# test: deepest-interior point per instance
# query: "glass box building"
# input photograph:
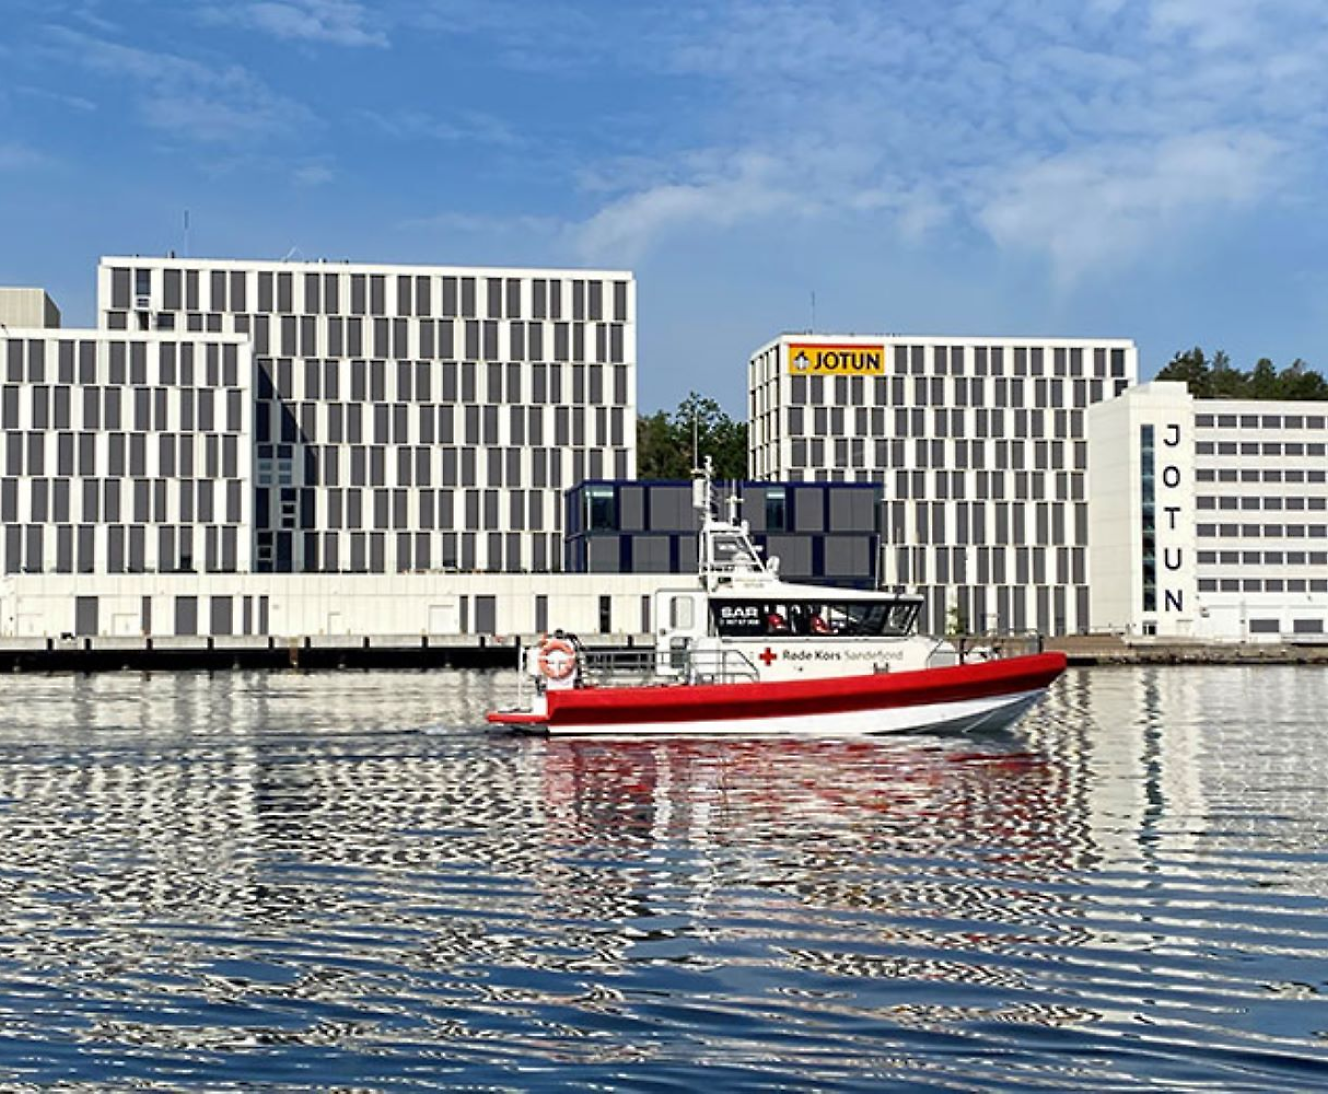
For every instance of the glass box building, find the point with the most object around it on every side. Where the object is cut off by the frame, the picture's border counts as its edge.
(820, 532)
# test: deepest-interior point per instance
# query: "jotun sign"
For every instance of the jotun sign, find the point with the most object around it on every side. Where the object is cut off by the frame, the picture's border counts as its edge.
(830, 359)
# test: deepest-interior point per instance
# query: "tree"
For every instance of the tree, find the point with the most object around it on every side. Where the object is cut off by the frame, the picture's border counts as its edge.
(1263, 381)
(1221, 380)
(669, 446)
(1298, 381)
(1227, 382)
(657, 454)
(1192, 368)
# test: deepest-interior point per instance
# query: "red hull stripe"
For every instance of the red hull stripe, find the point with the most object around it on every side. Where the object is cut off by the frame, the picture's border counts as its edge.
(795, 698)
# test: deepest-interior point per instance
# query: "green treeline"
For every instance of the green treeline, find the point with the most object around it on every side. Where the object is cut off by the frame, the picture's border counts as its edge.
(668, 445)
(1219, 379)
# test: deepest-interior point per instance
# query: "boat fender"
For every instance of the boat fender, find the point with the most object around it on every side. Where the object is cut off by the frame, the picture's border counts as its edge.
(557, 658)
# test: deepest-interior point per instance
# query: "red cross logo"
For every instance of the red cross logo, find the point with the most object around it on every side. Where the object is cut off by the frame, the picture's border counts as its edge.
(768, 656)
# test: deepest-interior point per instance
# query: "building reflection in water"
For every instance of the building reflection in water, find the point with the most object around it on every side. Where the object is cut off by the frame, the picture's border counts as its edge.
(338, 857)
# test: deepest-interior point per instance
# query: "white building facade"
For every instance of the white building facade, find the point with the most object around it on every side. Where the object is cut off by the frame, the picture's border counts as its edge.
(124, 453)
(409, 418)
(1209, 517)
(980, 446)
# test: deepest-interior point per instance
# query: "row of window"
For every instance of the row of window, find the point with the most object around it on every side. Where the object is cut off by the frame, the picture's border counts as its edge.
(1268, 501)
(356, 423)
(33, 455)
(1265, 558)
(937, 391)
(406, 552)
(1258, 448)
(1005, 609)
(1005, 455)
(1018, 361)
(151, 501)
(396, 509)
(121, 361)
(1260, 421)
(112, 408)
(332, 292)
(372, 465)
(119, 548)
(1262, 585)
(1046, 565)
(446, 382)
(1267, 531)
(1266, 474)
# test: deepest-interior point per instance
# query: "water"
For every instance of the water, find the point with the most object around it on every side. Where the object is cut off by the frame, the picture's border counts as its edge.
(342, 881)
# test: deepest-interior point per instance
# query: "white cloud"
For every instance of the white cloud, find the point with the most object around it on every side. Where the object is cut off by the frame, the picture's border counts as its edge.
(485, 224)
(72, 102)
(1089, 134)
(1094, 208)
(20, 157)
(336, 22)
(462, 127)
(312, 174)
(186, 98)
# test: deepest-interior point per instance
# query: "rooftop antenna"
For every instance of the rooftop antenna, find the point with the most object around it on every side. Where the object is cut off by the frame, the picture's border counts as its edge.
(813, 330)
(186, 233)
(292, 253)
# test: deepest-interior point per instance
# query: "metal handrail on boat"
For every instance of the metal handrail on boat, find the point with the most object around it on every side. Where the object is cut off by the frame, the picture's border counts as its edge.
(642, 667)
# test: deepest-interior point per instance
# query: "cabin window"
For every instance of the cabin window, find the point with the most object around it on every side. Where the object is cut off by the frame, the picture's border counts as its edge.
(681, 616)
(814, 618)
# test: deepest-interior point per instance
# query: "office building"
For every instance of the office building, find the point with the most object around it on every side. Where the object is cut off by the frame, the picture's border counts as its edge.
(1209, 517)
(979, 446)
(820, 532)
(124, 453)
(27, 308)
(408, 418)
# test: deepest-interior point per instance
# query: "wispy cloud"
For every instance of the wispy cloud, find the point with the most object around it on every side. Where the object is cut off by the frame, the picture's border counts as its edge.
(73, 102)
(461, 126)
(1083, 134)
(185, 98)
(20, 157)
(487, 225)
(1093, 208)
(335, 22)
(313, 174)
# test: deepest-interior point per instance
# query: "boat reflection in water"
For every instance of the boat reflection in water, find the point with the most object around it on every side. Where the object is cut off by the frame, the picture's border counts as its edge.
(945, 852)
(215, 880)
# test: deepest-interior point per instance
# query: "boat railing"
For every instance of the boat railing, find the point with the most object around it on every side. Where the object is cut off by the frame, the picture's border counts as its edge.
(642, 667)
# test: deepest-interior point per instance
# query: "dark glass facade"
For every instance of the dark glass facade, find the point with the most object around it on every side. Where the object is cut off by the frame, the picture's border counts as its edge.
(821, 532)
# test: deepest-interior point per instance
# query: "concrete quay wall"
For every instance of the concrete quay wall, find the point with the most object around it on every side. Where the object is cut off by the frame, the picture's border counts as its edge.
(1085, 650)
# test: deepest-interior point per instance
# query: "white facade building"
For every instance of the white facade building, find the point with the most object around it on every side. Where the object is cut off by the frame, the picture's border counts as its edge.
(329, 609)
(124, 453)
(980, 445)
(1233, 543)
(27, 308)
(409, 418)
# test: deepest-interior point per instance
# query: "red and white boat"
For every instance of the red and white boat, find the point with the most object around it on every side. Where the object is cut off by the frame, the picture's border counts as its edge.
(746, 653)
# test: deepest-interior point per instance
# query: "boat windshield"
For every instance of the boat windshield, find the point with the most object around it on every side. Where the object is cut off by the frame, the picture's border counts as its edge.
(733, 551)
(817, 619)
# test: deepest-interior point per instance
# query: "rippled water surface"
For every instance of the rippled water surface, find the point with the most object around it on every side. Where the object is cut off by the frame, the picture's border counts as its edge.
(342, 881)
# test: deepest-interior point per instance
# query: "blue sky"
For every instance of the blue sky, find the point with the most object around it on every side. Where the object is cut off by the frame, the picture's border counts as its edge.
(1151, 169)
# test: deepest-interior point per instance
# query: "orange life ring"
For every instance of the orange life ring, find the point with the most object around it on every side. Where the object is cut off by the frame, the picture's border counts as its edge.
(557, 658)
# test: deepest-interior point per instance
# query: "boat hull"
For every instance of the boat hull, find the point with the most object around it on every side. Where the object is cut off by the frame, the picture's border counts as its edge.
(959, 698)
